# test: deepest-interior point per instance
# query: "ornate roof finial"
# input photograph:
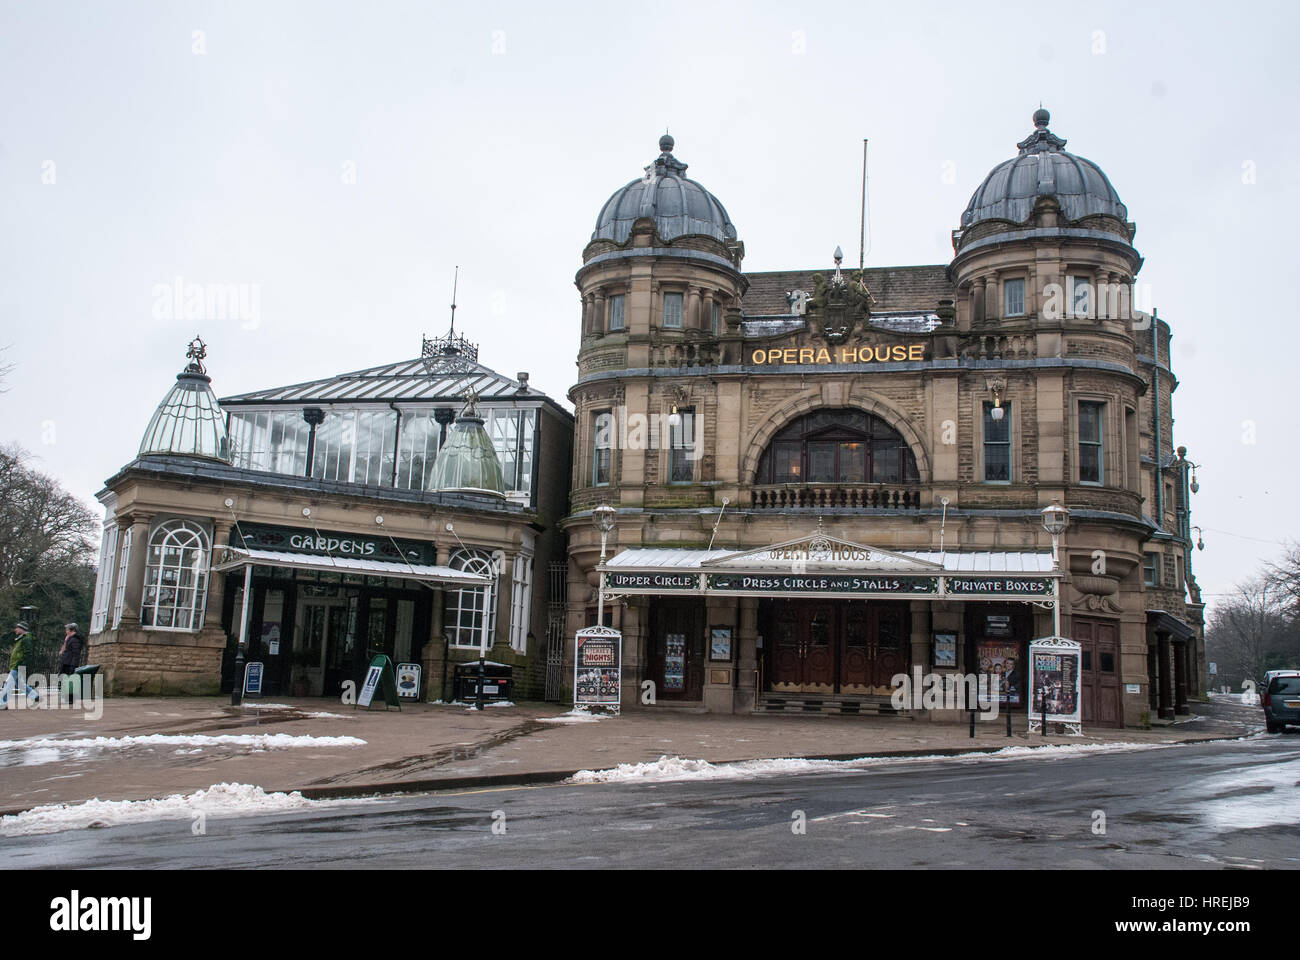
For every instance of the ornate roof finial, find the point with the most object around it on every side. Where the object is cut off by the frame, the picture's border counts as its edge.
(666, 165)
(197, 351)
(1041, 140)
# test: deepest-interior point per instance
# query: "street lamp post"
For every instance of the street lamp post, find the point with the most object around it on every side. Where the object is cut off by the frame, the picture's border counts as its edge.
(602, 518)
(1055, 519)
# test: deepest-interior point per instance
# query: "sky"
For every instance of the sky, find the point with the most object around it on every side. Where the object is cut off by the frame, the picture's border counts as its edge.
(333, 162)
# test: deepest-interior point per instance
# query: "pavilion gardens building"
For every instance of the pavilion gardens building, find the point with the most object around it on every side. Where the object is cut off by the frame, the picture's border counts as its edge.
(819, 480)
(366, 514)
(822, 480)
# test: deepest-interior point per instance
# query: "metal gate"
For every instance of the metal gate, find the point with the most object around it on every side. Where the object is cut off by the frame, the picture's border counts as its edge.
(556, 608)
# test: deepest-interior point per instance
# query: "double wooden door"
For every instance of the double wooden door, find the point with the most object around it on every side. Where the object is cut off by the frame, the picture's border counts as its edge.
(1101, 701)
(851, 647)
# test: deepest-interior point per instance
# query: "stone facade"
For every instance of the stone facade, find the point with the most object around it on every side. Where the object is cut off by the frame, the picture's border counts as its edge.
(923, 349)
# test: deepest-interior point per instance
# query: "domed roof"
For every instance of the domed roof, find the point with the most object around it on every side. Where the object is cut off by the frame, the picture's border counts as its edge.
(680, 207)
(1043, 169)
(189, 421)
(468, 462)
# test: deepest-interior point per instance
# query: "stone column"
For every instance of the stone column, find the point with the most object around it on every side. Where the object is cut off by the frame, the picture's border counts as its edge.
(1180, 678)
(747, 655)
(131, 599)
(692, 319)
(1166, 707)
(599, 322)
(216, 581)
(977, 299)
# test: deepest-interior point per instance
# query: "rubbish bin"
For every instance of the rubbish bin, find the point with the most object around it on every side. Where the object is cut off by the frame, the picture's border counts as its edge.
(497, 681)
(77, 687)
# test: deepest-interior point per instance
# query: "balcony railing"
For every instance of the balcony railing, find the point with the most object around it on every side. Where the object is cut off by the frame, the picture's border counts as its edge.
(852, 496)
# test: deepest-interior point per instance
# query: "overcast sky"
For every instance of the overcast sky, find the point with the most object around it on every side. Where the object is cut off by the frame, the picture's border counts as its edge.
(336, 160)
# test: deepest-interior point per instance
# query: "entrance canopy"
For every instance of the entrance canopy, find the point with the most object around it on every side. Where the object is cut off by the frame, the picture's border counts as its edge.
(824, 566)
(233, 558)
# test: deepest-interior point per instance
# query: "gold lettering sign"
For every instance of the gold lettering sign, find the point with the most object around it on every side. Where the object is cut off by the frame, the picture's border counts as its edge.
(885, 353)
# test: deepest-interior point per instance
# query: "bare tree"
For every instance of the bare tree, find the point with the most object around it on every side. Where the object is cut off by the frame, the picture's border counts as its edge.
(47, 542)
(1284, 575)
(1251, 632)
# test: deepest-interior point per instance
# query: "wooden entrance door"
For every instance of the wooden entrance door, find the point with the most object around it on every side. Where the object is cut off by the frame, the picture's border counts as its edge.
(1101, 703)
(875, 645)
(805, 640)
(677, 649)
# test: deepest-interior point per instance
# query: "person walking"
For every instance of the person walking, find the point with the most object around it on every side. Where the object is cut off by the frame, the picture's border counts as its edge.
(70, 656)
(18, 660)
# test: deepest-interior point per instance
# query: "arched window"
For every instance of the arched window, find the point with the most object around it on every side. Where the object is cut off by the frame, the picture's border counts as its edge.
(175, 577)
(469, 614)
(837, 446)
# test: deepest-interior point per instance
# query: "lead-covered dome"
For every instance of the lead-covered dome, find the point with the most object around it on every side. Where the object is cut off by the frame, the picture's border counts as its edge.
(1043, 169)
(679, 206)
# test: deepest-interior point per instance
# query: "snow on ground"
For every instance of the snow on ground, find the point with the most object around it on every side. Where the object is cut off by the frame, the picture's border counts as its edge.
(36, 747)
(667, 769)
(576, 715)
(219, 800)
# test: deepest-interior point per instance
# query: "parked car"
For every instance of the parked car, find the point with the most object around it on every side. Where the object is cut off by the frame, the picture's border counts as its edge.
(1281, 699)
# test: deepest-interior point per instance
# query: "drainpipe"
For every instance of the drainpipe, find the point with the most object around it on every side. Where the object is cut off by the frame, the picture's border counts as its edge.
(397, 439)
(1155, 383)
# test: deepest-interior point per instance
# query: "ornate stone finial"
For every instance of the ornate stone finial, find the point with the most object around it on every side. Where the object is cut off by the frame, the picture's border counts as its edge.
(838, 279)
(196, 353)
(1041, 140)
(666, 165)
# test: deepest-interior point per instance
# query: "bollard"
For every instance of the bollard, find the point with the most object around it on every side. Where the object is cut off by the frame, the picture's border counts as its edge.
(1008, 723)
(972, 724)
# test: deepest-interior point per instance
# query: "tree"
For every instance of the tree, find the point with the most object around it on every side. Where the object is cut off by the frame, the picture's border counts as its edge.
(1284, 575)
(1253, 632)
(48, 544)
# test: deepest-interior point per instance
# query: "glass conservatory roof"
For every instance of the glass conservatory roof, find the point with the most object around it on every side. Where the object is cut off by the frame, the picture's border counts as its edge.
(189, 421)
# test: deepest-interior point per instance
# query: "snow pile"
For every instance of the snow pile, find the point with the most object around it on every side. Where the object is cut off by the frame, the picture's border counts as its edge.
(670, 769)
(576, 715)
(219, 800)
(257, 741)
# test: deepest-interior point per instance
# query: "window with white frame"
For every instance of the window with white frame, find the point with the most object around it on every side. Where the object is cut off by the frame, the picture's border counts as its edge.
(123, 563)
(673, 311)
(617, 305)
(104, 578)
(682, 452)
(1150, 570)
(602, 446)
(275, 441)
(469, 613)
(356, 446)
(175, 577)
(521, 602)
(1014, 296)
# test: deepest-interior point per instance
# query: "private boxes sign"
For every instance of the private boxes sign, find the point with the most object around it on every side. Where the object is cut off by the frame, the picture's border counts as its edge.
(597, 667)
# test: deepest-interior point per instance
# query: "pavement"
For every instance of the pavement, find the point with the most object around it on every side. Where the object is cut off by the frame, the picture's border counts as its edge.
(57, 756)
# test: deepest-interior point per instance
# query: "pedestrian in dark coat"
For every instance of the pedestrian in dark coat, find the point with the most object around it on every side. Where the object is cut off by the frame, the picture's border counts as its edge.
(70, 652)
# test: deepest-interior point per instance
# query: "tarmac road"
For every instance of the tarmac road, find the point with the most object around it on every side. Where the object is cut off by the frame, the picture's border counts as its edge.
(1229, 804)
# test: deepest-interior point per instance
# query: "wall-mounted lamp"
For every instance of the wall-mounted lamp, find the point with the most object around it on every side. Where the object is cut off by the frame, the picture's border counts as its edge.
(996, 387)
(306, 511)
(1200, 544)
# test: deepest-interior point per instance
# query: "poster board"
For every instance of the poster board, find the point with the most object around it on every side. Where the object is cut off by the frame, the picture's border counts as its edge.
(379, 674)
(1000, 660)
(253, 671)
(598, 668)
(408, 680)
(1054, 683)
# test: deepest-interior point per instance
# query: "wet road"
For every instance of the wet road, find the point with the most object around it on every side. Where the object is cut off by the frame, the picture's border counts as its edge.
(1229, 804)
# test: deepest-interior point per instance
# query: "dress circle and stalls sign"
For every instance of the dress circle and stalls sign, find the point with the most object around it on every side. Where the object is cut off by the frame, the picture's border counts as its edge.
(597, 667)
(1054, 680)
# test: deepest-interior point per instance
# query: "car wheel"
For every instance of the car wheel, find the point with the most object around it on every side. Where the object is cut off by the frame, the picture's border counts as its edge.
(1274, 727)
